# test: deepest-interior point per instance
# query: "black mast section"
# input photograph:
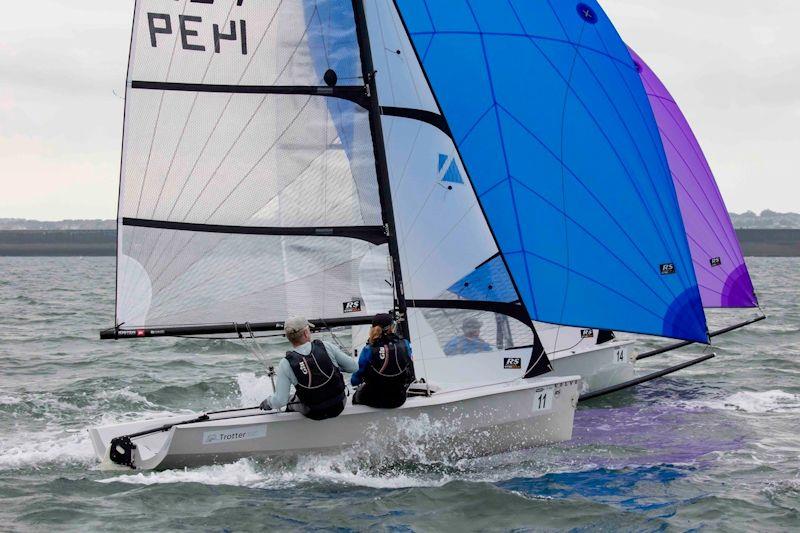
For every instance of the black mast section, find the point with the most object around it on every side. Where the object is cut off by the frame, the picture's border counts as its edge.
(382, 167)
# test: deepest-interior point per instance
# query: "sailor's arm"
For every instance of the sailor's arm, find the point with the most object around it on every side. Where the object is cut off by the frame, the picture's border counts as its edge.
(283, 381)
(363, 363)
(343, 361)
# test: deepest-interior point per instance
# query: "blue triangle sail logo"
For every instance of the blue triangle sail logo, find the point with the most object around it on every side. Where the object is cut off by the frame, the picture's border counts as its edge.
(448, 170)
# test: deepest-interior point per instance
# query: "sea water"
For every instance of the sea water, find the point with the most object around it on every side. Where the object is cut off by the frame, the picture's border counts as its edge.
(714, 447)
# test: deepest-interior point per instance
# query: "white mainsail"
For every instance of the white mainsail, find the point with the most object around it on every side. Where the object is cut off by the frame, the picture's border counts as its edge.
(248, 185)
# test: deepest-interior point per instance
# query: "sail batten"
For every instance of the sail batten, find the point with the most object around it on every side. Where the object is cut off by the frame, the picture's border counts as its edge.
(355, 93)
(248, 187)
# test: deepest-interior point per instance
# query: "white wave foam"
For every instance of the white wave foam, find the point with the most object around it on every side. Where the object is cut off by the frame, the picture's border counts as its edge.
(44, 448)
(10, 400)
(125, 394)
(337, 469)
(253, 389)
(771, 401)
(241, 473)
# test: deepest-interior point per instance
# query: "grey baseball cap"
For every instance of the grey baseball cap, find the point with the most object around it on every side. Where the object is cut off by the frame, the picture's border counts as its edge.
(295, 324)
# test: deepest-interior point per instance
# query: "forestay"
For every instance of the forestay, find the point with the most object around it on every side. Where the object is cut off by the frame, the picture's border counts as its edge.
(718, 262)
(453, 272)
(248, 185)
(557, 136)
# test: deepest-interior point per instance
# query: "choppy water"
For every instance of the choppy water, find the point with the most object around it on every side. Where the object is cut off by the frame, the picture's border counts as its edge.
(714, 447)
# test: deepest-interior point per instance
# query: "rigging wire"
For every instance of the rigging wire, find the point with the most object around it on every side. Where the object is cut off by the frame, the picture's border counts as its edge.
(257, 351)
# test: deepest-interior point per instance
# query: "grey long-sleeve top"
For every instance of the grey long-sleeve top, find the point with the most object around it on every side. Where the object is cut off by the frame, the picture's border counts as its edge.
(285, 377)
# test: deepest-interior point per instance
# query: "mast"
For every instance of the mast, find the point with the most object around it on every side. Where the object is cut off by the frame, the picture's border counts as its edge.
(382, 167)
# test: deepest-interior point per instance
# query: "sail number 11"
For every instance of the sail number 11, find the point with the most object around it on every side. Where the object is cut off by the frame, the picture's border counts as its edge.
(543, 398)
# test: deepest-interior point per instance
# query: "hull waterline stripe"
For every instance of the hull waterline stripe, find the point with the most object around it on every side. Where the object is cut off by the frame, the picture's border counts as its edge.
(373, 234)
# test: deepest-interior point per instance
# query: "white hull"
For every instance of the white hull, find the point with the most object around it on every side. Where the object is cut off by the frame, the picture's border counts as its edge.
(599, 366)
(458, 423)
(603, 366)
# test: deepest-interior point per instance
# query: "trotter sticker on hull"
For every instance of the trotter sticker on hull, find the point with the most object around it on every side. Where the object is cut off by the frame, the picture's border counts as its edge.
(234, 434)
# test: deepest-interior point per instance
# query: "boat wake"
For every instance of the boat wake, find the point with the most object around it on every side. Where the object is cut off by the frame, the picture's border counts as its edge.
(250, 473)
(252, 388)
(771, 401)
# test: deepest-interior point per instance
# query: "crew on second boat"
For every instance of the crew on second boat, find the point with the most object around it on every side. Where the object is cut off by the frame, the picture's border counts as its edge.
(385, 368)
(315, 368)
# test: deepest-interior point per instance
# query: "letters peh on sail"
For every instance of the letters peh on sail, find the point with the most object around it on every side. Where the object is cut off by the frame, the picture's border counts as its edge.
(716, 254)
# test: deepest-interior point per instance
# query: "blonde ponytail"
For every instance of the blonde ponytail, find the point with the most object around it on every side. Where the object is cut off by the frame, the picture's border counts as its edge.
(375, 333)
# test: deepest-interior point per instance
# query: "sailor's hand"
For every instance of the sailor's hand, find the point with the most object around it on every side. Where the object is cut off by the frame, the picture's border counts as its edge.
(265, 406)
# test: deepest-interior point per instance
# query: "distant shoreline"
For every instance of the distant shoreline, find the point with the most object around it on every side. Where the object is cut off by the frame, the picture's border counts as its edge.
(98, 243)
(58, 243)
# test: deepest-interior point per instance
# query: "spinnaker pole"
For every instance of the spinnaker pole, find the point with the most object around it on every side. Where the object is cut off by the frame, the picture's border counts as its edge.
(659, 351)
(645, 379)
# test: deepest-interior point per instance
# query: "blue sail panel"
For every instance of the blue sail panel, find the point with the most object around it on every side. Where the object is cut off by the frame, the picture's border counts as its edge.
(489, 282)
(557, 136)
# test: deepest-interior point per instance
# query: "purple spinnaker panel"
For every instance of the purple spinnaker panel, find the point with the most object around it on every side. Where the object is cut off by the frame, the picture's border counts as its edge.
(717, 257)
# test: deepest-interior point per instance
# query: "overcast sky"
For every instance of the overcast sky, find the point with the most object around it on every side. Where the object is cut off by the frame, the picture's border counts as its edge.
(733, 66)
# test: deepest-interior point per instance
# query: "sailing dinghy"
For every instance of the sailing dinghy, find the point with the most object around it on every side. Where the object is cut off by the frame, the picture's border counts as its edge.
(335, 159)
(446, 424)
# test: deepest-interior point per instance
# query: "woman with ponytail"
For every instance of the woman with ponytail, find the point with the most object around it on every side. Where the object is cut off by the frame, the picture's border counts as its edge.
(385, 369)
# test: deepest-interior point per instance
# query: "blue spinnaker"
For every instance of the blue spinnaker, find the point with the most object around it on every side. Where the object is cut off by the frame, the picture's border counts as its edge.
(557, 135)
(332, 44)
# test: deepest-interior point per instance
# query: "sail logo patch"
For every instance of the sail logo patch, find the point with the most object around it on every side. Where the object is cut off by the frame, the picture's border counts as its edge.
(667, 269)
(586, 13)
(448, 170)
(587, 333)
(512, 363)
(716, 261)
(352, 306)
(235, 434)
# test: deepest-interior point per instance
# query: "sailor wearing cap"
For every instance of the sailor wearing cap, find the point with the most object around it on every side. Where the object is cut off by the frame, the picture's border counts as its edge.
(470, 341)
(385, 368)
(315, 368)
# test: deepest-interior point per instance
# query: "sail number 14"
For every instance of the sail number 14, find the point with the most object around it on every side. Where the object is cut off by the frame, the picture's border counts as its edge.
(543, 398)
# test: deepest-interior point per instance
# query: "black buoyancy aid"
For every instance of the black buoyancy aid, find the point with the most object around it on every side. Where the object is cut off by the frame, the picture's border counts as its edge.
(390, 371)
(320, 385)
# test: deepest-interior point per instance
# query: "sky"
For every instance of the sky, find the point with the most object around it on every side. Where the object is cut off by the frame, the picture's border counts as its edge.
(732, 65)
